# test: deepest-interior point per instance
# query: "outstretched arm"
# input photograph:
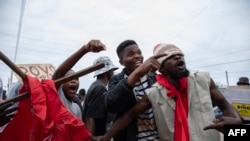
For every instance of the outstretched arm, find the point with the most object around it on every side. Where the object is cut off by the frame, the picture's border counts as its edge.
(126, 119)
(230, 114)
(91, 46)
(120, 89)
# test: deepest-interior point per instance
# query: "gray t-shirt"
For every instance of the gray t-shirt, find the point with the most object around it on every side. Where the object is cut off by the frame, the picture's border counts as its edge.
(72, 106)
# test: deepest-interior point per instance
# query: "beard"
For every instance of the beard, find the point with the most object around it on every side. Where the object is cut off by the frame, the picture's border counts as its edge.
(180, 74)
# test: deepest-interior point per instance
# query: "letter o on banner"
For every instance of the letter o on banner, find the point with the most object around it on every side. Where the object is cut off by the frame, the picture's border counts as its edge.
(41, 71)
(34, 71)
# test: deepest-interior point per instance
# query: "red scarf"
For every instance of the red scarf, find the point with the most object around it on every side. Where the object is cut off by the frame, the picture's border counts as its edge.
(181, 131)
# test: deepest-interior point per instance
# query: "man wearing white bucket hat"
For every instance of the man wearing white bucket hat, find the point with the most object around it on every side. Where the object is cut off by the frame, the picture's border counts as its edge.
(94, 113)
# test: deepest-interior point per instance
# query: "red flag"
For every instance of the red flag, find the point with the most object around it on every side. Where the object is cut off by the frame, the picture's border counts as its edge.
(67, 127)
(29, 119)
(43, 116)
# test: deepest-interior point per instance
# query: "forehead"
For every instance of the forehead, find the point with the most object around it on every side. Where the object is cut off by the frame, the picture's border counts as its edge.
(130, 48)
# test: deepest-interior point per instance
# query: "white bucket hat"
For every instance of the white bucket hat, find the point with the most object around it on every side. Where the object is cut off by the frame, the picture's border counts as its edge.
(108, 65)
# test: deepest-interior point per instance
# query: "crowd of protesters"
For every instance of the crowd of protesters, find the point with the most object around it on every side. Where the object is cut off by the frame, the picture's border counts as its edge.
(158, 99)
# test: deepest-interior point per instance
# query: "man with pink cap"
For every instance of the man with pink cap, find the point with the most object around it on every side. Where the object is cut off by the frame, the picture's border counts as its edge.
(181, 102)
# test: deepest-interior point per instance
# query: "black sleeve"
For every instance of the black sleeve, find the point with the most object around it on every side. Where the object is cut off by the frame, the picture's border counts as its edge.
(119, 95)
(96, 107)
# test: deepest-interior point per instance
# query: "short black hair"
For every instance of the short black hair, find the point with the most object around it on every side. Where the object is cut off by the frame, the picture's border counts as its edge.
(82, 92)
(123, 45)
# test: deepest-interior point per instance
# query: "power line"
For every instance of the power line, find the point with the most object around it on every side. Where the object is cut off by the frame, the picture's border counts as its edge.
(193, 18)
(24, 45)
(224, 54)
(240, 71)
(39, 43)
(35, 39)
(223, 63)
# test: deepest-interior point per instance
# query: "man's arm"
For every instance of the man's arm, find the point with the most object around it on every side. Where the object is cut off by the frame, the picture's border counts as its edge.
(230, 114)
(151, 64)
(93, 45)
(94, 101)
(122, 122)
(90, 124)
(118, 96)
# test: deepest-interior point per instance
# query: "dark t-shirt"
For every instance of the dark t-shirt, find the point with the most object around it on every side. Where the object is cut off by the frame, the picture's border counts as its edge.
(94, 107)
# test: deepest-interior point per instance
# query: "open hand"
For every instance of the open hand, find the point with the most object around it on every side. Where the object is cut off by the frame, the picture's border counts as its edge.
(219, 123)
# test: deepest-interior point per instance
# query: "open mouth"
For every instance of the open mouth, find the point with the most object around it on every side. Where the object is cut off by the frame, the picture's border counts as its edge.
(181, 65)
(72, 88)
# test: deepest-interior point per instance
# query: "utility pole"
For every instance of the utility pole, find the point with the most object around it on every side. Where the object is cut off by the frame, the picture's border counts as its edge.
(227, 78)
(18, 36)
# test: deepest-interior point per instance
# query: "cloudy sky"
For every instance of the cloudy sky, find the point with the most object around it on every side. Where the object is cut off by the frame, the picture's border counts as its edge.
(214, 34)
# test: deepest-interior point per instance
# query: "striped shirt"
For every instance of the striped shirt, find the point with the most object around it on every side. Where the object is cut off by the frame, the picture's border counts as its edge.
(147, 130)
